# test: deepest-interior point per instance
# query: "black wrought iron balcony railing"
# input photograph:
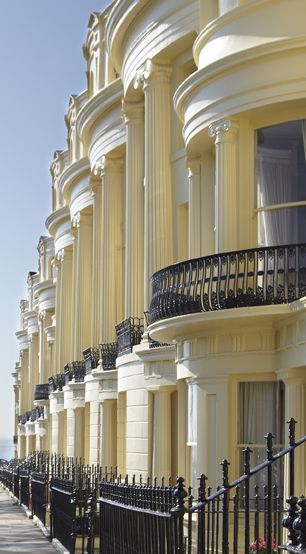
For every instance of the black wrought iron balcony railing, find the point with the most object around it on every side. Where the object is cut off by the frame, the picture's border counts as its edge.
(109, 354)
(255, 277)
(41, 392)
(91, 359)
(37, 413)
(74, 371)
(129, 333)
(23, 418)
(56, 382)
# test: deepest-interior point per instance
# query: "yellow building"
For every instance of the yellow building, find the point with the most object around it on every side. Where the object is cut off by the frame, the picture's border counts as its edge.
(189, 144)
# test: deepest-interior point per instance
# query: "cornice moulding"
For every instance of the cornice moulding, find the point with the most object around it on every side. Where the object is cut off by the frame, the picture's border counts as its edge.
(119, 18)
(227, 65)
(162, 33)
(222, 21)
(57, 218)
(96, 106)
(71, 174)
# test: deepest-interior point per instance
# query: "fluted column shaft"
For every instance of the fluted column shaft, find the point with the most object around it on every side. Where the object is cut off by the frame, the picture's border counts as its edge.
(295, 396)
(97, 269)
(82, 286)
(134, 209)
(225, 135)
(33, 367)
(109, 438)
(65, 354)
(44, 351)
(161, 463)
(194, 178)
(112, 252)
(24, 393)
(158, 250)
(58, 304)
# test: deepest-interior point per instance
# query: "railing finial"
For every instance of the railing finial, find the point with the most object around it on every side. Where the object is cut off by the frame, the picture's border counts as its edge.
(292, 423)
(225, 465)
(269, 438)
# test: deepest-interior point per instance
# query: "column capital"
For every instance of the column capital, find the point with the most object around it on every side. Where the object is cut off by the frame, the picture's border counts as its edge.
(222, 130)
(132, 111)
(152, 73)
(75, 220)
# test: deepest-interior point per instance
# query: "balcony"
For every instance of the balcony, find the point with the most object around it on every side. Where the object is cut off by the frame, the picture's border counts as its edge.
(91, 358)
(109, 354)
(74, 371)
(256, 277)
(129, 333)
(41, 392)
(56, 382)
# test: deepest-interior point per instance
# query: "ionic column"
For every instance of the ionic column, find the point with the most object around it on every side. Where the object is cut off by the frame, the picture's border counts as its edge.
(194, 179)
(82, 284)
(65, 351)
(225, 134)
(112, 253)
(58, 304)
(24, 374)
(33, 366)
(158, 249)
(44, 352)
(134, 209)
(109, 436)
(161, 452)
(97, 270)
(55, 433)
(295, 396)
(71, 431)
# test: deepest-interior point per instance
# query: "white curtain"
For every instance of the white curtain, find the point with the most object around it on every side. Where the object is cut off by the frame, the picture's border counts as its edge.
(260, 412)
(276, 184)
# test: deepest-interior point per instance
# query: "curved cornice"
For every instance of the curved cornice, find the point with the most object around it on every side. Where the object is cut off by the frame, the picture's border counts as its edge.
(202, 78)
(168, 33)
(96, 106)
(44, 285)
(57, 218)
(119, 18)
(224, 20)
(71, 174)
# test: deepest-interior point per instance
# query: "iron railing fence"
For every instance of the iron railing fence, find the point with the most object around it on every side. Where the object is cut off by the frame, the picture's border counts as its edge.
(129, 333)
(242, 516)
(245, 515)
(108, 354)
(254, 277)
(91, 359)
(25, 496)
(39, 495)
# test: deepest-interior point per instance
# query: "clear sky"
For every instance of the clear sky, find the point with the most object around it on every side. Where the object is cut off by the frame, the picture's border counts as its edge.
(41, 64)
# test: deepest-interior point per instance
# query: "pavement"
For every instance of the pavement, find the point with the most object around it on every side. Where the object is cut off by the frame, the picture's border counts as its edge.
(18, 534)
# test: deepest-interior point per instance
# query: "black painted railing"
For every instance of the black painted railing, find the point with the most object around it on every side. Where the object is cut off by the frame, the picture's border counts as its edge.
(41, 392)
(74, 371)
(129, 333)
(255, 277)
(56, 382)
(23, 418)
(109, 354)
(91, 359)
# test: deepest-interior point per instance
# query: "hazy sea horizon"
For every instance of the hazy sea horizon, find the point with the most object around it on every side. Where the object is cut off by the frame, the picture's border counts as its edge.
(6, 448)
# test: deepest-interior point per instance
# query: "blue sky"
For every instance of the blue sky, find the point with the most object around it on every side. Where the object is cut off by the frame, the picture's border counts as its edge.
(41, 64)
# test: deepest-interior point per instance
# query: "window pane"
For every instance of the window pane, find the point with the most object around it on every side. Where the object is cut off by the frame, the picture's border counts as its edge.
(281, 163)
(280, 227)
